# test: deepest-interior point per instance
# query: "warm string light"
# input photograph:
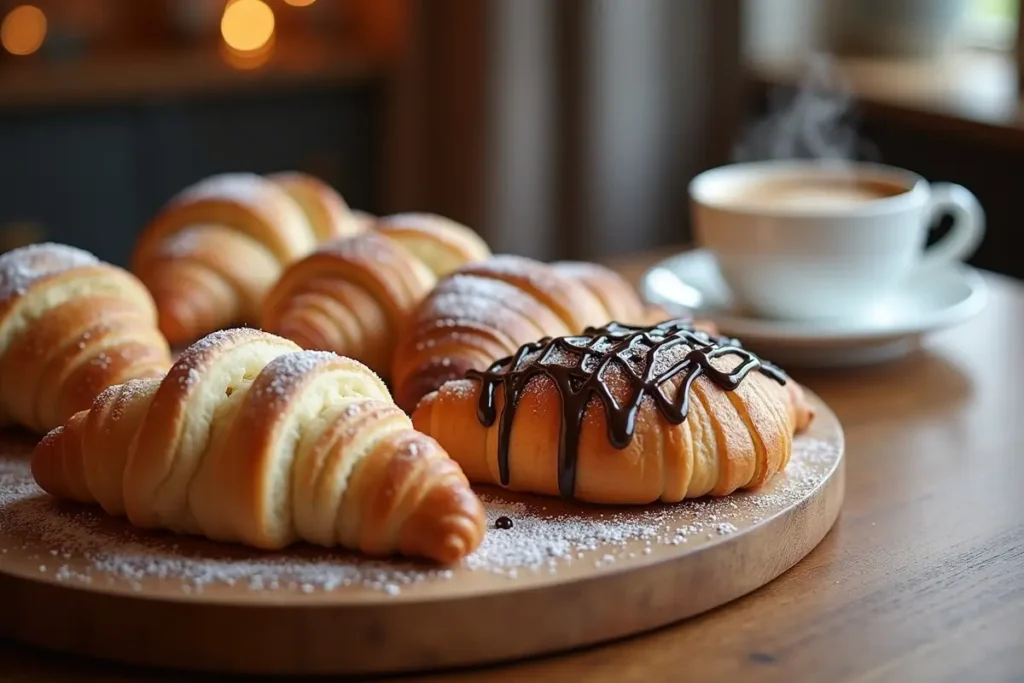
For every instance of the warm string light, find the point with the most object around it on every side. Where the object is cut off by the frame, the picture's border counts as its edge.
(247, 25)
(299, 3)
(23, 30)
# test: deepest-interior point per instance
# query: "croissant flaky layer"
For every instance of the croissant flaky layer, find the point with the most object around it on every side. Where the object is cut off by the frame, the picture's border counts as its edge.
(352, 296)
(250, 439)
(70, 326)
(211, 254)
(728, 439)
(486, 310)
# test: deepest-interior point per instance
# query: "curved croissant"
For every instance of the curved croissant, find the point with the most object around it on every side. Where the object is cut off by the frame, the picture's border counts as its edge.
(352, 296)
(70, 326)
(211, 254)
(487, 310)
(249, 439)
(554, 418)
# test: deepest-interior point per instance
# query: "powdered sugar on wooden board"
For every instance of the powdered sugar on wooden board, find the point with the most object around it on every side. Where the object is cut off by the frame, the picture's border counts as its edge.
(80, 544)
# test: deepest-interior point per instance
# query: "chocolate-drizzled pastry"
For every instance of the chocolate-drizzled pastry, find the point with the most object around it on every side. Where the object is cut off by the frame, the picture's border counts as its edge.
(621, 414)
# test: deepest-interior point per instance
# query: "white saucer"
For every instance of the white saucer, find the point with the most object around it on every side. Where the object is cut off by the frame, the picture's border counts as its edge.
(926, 303)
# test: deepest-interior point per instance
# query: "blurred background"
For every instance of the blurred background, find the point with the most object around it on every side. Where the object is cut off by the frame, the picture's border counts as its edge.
(565, 128)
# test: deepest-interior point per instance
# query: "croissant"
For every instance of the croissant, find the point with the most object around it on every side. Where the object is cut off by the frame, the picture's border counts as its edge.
(487, 310)
(620, 299)
(352, 296)
(211, 254)
(621, 415)
(70, 326)
(249, 439)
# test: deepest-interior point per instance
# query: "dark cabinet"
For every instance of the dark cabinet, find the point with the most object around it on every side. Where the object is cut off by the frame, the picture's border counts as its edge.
(92, 176)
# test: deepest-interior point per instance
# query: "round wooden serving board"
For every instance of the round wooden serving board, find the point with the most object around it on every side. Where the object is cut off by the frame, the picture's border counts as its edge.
(564, 576)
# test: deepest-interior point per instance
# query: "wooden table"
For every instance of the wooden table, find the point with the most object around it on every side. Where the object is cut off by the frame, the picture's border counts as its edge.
(922, 578)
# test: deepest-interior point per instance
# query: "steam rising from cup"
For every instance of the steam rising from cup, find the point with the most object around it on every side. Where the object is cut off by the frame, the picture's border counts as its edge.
(814, 122)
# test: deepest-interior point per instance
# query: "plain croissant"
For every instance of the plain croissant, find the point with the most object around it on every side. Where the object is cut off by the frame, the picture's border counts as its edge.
(250, 439)
(621, 415)
(211, 254)
(70, 326)
(486, 310)
(352, 296)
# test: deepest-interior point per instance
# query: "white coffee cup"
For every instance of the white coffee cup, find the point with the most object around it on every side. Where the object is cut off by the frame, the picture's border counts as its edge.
(808, 240)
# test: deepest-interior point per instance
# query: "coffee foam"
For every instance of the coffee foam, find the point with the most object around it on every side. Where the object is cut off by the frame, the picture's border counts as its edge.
(802, 193)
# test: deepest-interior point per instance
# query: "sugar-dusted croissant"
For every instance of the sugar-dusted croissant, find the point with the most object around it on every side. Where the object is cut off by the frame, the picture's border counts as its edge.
(211, 254)
(621, 415)
(70, 326)
(487, 310)
(352, 296)
(250, 439)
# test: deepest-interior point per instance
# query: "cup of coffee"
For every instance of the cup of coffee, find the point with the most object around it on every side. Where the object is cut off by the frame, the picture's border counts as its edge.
(811, 240)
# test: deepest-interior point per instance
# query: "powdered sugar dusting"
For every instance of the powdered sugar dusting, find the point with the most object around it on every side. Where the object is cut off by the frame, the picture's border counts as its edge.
(219, 338)
(285, 372)
(81, 544)
(368, 246)
(182, 244)
(185, 368)
(468, 300)
(518, 267)
(19, 268)
(242, 187)
(542, 541)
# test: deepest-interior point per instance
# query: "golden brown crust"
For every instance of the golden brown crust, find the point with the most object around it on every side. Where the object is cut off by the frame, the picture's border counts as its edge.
(570, 300)
(247, 203)
(48, 470)
(106, 440)
(618, 297)
(249, 439)
(366, 221)
(622, 302)
(216, 247)
(442, 244)
(487, 310)
(467, 322)
(206, 277)
(730, 440)
(70, 326)
(353, 296)
(325, 209)
(157, 496)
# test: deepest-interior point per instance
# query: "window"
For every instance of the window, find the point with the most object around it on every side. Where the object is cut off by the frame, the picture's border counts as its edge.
(992, 24)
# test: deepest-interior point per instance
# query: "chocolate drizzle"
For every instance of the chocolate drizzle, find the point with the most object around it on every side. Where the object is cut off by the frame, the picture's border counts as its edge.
(581, 366)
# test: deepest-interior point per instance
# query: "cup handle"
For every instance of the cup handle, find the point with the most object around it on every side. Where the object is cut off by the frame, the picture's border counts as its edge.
(968, 229)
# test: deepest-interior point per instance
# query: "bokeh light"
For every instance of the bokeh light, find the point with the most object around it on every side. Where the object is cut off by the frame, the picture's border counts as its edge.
(247, 25)
(23, 30)
(299, 3)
